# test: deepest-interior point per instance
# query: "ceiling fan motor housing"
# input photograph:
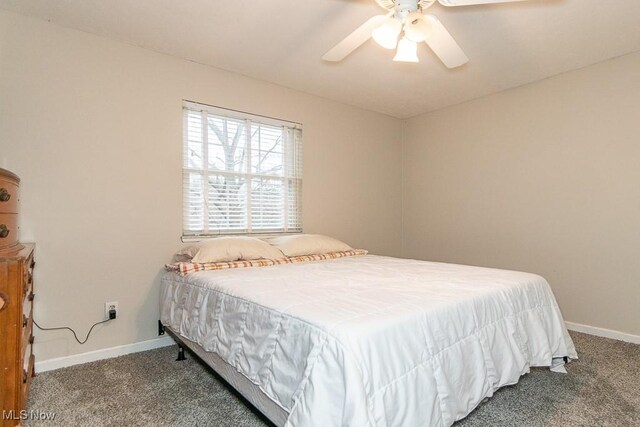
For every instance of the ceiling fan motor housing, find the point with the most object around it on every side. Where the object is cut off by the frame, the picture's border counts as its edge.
(404, 7)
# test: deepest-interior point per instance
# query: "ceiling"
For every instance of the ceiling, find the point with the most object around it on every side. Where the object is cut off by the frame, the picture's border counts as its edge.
(282, 41)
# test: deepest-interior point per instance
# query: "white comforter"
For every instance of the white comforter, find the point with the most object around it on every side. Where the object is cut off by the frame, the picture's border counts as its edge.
(370, 340)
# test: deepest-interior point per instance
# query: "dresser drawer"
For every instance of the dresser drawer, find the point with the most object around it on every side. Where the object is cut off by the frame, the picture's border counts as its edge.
(27, 283)
(8, 230)
(26, 380)
(27, 307)
(27, 350)
(27, 325)
(8, 196)
(27, 300)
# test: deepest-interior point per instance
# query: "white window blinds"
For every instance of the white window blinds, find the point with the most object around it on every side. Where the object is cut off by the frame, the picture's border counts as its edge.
(241, 173)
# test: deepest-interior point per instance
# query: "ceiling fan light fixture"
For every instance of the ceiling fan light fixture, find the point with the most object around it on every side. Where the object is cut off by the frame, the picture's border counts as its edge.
(407, 51)
(417, 27)
(387, 34)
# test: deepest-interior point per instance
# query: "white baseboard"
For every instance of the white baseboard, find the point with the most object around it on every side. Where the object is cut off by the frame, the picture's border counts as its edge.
(601, 332)
(106, 353)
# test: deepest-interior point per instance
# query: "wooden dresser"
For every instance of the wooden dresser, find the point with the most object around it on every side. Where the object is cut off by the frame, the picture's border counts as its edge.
(16, 304)
(9, 196)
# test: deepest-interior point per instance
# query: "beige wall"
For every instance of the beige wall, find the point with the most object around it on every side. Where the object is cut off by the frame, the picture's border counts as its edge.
(94, 129)
(544, 178)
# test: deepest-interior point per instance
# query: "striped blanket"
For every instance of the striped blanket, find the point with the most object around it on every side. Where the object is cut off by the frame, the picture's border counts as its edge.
(190, 267)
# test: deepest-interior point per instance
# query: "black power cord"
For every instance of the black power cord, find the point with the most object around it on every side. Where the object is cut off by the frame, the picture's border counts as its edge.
(112, 315)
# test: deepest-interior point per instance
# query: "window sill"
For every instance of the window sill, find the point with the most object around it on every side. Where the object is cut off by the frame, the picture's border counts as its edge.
(266, 235)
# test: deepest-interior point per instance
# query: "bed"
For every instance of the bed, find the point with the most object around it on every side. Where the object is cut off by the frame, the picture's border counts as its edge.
(366, 340)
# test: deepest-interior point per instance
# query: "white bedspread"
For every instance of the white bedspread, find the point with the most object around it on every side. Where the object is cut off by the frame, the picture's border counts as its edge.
(370, 340)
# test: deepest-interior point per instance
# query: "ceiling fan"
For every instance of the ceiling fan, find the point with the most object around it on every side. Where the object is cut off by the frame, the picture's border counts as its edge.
(403, 27)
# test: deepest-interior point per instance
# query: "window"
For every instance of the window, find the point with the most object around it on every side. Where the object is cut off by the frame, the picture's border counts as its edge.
(241, 173)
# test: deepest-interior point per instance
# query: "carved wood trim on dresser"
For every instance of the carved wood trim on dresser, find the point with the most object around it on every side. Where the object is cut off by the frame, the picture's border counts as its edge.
(16, 307)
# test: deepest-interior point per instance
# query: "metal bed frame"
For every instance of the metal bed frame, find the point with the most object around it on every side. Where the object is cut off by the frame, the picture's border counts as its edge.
(260, 404)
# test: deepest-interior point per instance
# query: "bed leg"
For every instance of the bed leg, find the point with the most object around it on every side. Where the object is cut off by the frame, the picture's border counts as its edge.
(566, 359)
(160, 328)
(180, 354)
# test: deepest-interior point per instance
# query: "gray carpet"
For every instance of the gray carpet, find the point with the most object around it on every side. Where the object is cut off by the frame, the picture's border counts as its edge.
(151, 389)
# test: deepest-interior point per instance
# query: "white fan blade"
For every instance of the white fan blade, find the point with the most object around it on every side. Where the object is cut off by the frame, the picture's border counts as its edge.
(472, 2)
(443, 45)
(354, 40)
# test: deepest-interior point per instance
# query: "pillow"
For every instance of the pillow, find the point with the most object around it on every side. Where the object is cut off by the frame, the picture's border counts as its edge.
(230, 249)
(308, 244)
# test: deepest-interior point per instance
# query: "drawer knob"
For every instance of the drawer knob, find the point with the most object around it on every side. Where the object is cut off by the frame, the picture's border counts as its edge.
(25, 321)
(4, 231)
(4, 195)
(31, 296)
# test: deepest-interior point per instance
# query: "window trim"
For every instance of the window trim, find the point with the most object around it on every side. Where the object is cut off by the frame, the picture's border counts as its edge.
(253, 118)
(240, 115)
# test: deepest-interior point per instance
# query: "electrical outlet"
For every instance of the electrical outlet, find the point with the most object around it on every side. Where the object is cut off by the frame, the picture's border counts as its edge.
(111, 305)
